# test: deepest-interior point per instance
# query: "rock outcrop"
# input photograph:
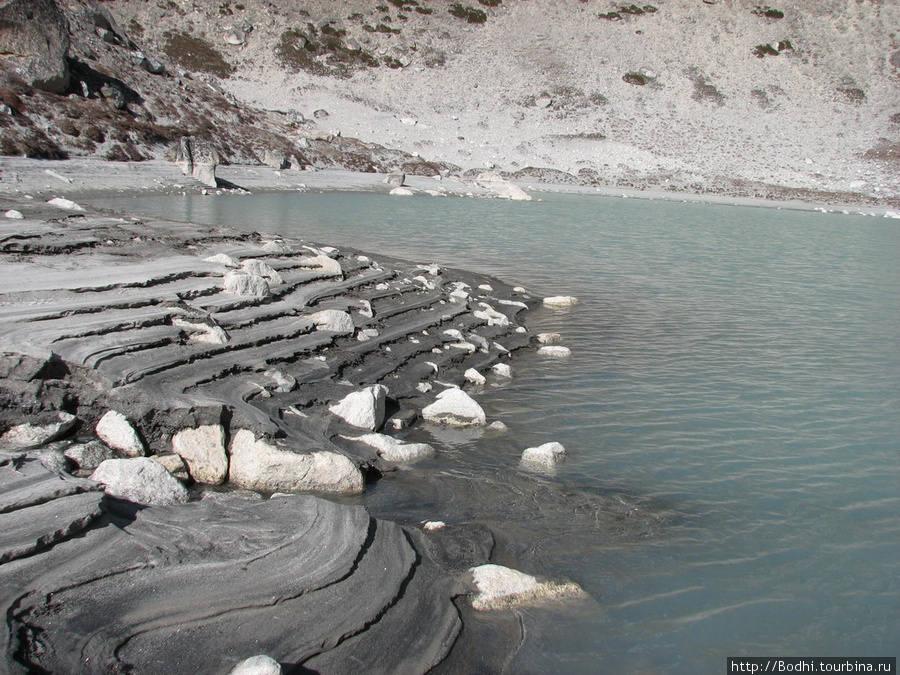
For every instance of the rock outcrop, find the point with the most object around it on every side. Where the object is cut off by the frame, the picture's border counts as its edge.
(197, 158)
(35, 38)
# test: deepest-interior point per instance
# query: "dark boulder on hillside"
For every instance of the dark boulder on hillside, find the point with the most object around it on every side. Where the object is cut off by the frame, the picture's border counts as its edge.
(34, 35)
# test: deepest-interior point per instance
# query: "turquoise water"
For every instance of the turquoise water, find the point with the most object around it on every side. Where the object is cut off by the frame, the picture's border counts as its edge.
(736, 368)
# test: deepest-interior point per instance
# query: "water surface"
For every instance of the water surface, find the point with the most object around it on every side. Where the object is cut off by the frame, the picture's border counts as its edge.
(736, 368)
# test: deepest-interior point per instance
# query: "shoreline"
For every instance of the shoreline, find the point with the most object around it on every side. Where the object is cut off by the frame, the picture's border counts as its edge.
(86, 177)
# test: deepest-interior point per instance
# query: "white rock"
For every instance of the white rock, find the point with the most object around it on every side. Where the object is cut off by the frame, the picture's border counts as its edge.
(174, 465)
(141, 480)
(363, 409)
(274, 246)
(502, 370)
(424, 387)
(394, 450)
(485, 287)
(203, 450)
(367, 334)
(116, 431)
(498, 427)
(222, 259)
(453, 333)
(238, 282)
(257, 665)
(548, 454)
(465, 346)
(326, 265)
(455, 408)
(262, 269)
(491, 316)
(549, 338)
(434, 525)
(333, 320)
(561, 301)
(555, 351)
(202, 331)
(15, 215)
(401, 192)
(283, 383)
(411, 121)
(34, 435)
(500, 587)
(66, 204)
(497, 184)
(474, 377)
(260, 465)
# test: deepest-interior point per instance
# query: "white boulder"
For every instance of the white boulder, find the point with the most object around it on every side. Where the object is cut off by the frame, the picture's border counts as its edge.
(333, 320)
(222, 259)
(140, 480)
(363, 409)
(35, 434)
(401, 192)
(474, 377)
(328, 266)
(239, 282)
(203, 451)
(502, 370)
(67, 204)
(555, 351)
(260, 465)
(116, 431)
(394, 450)
(174, 465)
(257, 665)
(546, 455)
(501, 187)
(455, 408)
(500, 587)
(15, 215)
(549, 338)
(262, 269)
(561, 301)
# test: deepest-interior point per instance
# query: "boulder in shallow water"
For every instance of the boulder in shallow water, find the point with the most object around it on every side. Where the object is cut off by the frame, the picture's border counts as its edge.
(140, 480)
(561, 301)
(203, 450)
(116, 431)
(260, 465)
(546, 455)
(363, 409)
(394, 450)
(556, 351)
(455, 408)
(500, 587)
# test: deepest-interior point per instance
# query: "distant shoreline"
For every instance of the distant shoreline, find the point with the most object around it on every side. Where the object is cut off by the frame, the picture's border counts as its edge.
(87, 177)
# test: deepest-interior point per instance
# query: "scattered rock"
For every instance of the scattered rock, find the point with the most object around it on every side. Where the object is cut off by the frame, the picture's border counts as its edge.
(67, 204)
(320, 114)
(394, 450)
(555, 351)
(333, 320)
(15, 215)
(222, 259)
(88, 456)
(493, 181)
(53, 459)
(474, 377)
(455, 408)
(174, 465)
(490, 315)
(204, 331)
(115, 95)
(326, 265)
(546, 455)
(502, 370)
(561, 301)
(434, 525)
(238, 282)
(35, 42)
(259, 465)
(401, 192)
(148, 63)
(38, 432)
(203, 451)
(549, 338)
(501, 587)
(140, 480)
(257, 665)
(116, 431)
(363, 409)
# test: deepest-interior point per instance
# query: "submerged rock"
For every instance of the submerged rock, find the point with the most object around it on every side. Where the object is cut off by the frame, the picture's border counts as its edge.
(142, 480)
(455, 408)
(394, 450)
(500, 587)
(546, 455)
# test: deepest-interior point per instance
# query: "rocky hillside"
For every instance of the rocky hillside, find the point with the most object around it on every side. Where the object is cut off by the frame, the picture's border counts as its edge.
(735, 97)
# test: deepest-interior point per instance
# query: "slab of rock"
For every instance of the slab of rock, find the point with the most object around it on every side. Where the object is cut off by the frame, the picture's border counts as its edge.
(38, 432)
(333, 320)
(260, 465)
(141, 480)
(500, 587)
(395, 450)
(116, 431)
(455, 408)
(363, 409)
(203, 451)
(546, 455)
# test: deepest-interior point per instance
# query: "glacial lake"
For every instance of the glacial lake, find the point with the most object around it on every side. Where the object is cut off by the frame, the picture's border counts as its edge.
(735, 369)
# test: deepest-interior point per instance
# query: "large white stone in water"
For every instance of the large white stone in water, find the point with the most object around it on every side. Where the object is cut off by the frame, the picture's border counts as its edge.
(394, 450)
(260, 465)
(363, 409)
(140, 480)
(116, 431)
(546, 455)
(556, 351)
(561, 301)
(455, 408)
(500, 587)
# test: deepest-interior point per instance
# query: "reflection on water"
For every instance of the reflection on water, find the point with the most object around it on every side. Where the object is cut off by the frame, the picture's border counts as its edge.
(736, 372)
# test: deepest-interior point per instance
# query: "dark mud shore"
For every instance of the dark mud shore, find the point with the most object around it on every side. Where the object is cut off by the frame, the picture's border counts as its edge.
(276, 358)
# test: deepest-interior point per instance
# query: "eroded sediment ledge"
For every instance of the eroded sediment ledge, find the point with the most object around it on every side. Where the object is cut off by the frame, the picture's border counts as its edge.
(228, 358)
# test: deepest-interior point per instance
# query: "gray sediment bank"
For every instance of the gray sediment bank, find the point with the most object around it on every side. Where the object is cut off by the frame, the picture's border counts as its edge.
(199, 374)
